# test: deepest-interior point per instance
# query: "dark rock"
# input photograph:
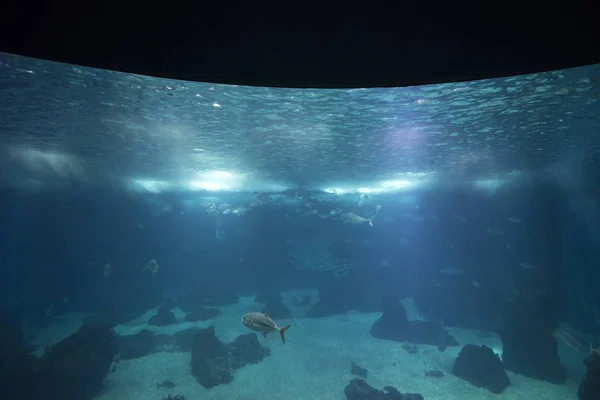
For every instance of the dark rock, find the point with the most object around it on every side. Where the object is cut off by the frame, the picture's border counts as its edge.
(139, 345)
(268, 296)
(459, 303)
(202, 314)
(246, 350)
(589, 389)
(213, 362)
(277, 310)
(393, 321)
(412, 396)
(188, 303)
(302, 301)
(358, 389)
(162, 319)
(327, 307)
(210, 361)
(362, 290)
(394, 325)
(183, 340)
(526, 329)
(358, 371)
(174, 397)
(75, 368)
(17, 366)
(209, 297)
(220, 298)
(480, 366)
(167, 305)
(11, 327)
(166, 385)
(101, 319)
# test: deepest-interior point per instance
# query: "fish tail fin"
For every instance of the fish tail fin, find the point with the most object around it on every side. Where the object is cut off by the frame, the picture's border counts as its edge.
(371, 222)
(282, 332)
(591, 348)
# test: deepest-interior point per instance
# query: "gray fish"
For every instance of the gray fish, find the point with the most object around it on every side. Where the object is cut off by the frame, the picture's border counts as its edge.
(261, 322)
(166, 384)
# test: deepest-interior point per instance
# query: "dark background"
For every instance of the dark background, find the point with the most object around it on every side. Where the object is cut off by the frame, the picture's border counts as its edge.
(308, 43)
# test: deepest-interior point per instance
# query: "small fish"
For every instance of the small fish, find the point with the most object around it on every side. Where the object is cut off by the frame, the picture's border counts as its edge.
(166, 385)
(526, 265)
(516, 220)
(261, 322)
(434, 374)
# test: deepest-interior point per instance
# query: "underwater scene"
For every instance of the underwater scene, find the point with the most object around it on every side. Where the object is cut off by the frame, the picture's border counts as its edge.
(172, 240)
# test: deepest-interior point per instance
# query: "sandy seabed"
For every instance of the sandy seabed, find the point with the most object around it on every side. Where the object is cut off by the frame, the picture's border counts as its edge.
(314, 363)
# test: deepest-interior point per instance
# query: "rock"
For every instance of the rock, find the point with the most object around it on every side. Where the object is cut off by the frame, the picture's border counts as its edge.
(216, 298)
(138, 345)
(459, 303)
(210, 362)
(358, 389)
(11, 327)
(17, 374)
(213, 362)
(163, 318)
(480, 366)
(359, 291)
(75, 368)
(202, 314)
(184, 340)
(589, 389)
(209, 297)
(246, 350)
(277, 310)
(189, 303)
(394, 325)
(302, 301)
(357, 370)
(268, 296)
(529, 347)
(168, 305)
(434, 373)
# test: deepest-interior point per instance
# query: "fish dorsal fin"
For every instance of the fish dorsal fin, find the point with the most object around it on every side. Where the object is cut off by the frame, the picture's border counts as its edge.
(266, 315)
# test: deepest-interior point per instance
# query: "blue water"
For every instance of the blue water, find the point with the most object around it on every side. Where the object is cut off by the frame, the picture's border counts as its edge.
(463, 213)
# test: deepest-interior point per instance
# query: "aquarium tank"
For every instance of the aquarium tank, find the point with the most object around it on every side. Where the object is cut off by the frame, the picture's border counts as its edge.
(165, 239)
